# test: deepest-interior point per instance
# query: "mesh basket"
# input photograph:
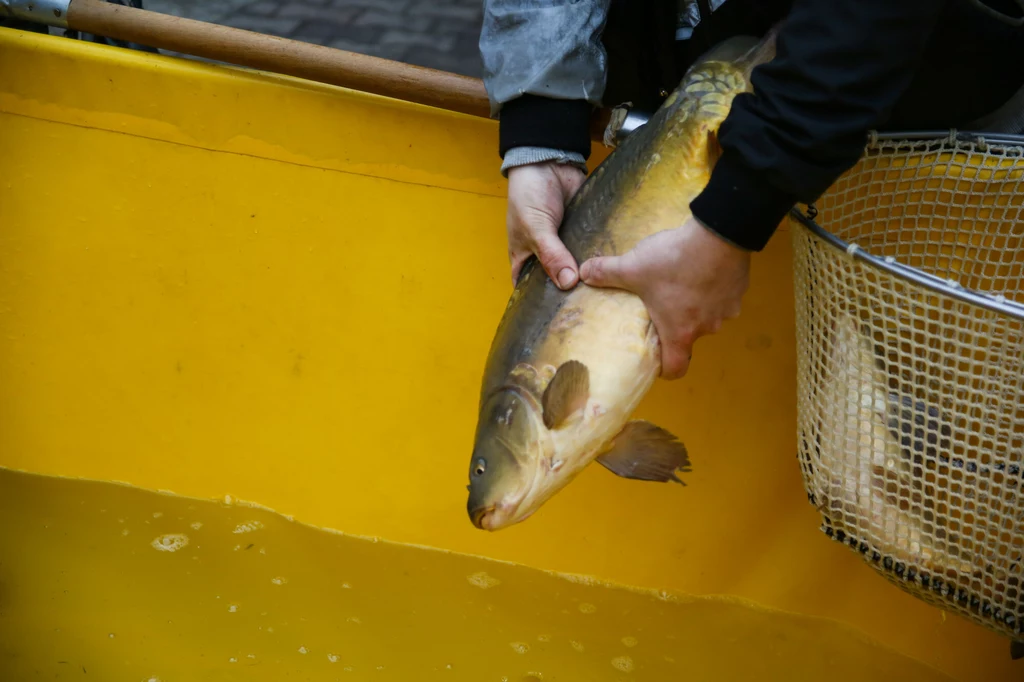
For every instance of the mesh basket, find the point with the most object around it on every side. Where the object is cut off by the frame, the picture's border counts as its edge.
(910, 361)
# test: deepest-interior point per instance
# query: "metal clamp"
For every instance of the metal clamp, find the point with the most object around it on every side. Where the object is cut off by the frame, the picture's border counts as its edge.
(49, 12)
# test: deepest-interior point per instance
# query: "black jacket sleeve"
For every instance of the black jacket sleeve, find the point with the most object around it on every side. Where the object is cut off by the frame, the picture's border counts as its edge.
(840, 67)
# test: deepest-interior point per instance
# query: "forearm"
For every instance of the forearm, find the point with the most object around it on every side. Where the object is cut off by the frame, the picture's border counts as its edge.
(841, 66)
(544, 71)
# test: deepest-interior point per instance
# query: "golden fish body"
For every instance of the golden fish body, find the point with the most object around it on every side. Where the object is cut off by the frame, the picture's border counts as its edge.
(567, 368)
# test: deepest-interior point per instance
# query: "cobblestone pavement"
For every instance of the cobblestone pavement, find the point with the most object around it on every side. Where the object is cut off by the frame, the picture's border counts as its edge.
(440, 34)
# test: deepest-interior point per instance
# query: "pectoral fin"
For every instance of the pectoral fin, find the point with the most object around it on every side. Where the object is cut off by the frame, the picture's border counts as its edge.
(567, 392)
(646, 452)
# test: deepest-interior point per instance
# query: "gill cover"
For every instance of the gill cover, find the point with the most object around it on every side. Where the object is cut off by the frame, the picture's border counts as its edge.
(506, 434)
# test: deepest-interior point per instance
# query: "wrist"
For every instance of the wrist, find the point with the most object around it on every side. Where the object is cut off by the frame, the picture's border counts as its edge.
(740, 205)
(523, 156)
(544, 122)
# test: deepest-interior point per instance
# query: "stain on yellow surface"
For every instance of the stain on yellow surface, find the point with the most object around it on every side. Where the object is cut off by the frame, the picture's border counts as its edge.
(77, 595)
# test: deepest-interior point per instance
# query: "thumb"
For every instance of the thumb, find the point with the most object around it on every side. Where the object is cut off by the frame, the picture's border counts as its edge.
(604, 271)
(556, 260)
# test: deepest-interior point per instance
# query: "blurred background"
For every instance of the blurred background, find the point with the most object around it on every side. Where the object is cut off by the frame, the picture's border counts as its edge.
(440, 34)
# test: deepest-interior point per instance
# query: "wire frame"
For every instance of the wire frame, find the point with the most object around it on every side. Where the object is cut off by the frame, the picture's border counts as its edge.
(909, 289)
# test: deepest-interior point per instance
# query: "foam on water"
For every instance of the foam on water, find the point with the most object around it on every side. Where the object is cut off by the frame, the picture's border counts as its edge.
(483, 580)
(630, 641)
(333, 658)
(587, 608)
(623, 663)
(171, 542)
(303, 650)
(248, 527)
(520, 647)
(196, 525)
(578, 646)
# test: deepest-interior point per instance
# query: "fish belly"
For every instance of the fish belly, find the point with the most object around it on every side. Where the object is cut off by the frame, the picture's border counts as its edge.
(609, 331)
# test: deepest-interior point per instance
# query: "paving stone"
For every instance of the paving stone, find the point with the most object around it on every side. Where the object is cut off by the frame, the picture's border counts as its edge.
(305, 11)
(445, 10)
(275, 26)
(396, 20)
(262, 9)
(410, 38)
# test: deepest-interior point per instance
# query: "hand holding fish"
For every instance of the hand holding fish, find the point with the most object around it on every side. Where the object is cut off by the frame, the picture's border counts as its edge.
(537, 196)
(690, 280)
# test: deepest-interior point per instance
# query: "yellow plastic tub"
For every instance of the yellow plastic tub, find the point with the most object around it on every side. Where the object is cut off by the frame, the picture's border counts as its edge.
(259, 293)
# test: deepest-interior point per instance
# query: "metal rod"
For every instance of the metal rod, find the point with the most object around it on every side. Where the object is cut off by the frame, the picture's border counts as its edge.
(49, 12)
(905, 272)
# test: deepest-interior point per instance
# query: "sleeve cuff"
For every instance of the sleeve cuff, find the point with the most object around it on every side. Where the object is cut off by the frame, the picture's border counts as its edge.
(521, 156)
(532, 121)
(740, 206)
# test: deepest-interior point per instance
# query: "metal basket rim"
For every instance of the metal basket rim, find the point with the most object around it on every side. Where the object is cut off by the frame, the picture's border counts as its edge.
(991, 302)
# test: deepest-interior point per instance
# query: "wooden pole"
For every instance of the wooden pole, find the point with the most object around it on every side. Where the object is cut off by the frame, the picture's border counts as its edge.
(280, 55)
(290, 57)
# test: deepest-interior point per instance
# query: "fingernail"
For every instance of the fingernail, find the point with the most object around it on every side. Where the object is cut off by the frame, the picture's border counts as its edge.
(566, 277)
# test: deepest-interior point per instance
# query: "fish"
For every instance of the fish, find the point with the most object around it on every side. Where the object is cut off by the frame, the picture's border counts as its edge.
(567, 368)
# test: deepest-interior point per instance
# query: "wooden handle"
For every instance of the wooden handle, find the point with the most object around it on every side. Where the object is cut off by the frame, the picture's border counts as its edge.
(279, 55)
(290, 57)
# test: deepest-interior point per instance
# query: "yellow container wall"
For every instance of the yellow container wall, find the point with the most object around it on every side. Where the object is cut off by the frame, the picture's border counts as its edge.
(217, 282)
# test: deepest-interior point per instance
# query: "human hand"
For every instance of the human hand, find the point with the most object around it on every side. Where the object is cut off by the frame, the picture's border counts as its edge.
(690, 279)
(537, 196)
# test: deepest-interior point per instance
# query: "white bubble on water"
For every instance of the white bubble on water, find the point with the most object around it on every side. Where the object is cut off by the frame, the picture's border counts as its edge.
(124, 532)
(251, 656)
(280, 580)
(111, 635)
(157, 515)
(630, 641)
(520, 647)
(333, 658)
(228, 499)
(196, 525)
(380, 667)
(171, 542)
(233, 608)
(355, 619)
(120, 520)
(578, 646)
(623, 664)
(232, 660)
(247, 527)
(587, 608)
(263, 550)
(152, 679)
(543, 638)
(346, 586)
(482, 580)
(348, 668)
(302, 650)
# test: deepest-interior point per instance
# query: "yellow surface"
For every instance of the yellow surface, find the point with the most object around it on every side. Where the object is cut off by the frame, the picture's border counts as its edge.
(217, 283)
(118, 584)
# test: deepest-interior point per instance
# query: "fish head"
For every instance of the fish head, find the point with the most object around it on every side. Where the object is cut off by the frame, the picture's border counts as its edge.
(507, 459)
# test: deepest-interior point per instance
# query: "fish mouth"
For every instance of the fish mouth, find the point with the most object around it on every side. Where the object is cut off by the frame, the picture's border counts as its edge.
(479, 516)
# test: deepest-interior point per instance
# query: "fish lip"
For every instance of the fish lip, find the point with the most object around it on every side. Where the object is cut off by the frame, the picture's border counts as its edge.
(478, 515)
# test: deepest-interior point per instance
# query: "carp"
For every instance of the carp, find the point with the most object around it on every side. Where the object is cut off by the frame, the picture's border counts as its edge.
(566, 369)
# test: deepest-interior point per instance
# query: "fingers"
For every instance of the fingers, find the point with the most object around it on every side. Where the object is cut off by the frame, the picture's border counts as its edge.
(606, 271)
(555, 258)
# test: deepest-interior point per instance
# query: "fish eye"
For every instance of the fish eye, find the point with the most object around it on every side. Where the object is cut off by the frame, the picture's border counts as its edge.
(481, 467)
